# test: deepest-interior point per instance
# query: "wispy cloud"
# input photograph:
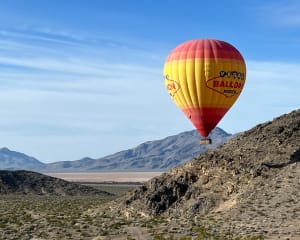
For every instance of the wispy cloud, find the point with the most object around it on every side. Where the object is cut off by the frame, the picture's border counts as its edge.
(26, 62)
(282, 13)
(81, 90)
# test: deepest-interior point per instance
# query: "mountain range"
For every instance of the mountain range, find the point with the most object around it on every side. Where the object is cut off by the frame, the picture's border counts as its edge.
(158, 155)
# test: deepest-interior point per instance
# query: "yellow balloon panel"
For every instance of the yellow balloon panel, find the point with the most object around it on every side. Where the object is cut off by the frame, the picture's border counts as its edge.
(204, 83)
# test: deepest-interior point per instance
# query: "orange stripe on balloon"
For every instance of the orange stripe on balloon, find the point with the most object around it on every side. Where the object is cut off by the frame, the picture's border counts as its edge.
(201, 55)
(204, 50)
(205, 119)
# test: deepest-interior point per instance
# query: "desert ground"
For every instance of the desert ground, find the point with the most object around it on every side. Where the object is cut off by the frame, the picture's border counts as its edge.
(34, 217)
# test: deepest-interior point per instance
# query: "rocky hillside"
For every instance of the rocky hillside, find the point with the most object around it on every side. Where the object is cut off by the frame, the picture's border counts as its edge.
(26, 182)
(248, 185)
(156, 155)
(10, 160)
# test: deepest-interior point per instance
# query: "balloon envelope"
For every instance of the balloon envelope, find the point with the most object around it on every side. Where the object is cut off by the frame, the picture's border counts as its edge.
(204, 78)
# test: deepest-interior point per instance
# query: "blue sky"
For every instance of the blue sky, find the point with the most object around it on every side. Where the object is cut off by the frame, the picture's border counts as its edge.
(84, 78)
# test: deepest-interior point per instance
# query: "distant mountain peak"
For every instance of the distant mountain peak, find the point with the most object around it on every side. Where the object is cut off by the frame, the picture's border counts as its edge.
(4, 149)
(12, 160)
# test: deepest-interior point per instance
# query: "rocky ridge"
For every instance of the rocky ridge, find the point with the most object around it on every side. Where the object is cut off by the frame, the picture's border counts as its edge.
(25, 182)
(248, 185)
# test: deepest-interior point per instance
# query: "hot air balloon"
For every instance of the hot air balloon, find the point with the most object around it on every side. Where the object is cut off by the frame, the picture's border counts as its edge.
(204, 77)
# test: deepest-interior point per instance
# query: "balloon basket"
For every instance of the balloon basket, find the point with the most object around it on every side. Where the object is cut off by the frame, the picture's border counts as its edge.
(205, 141)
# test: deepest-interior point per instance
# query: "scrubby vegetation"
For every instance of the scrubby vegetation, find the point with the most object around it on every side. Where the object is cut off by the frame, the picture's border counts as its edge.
(57, 217)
